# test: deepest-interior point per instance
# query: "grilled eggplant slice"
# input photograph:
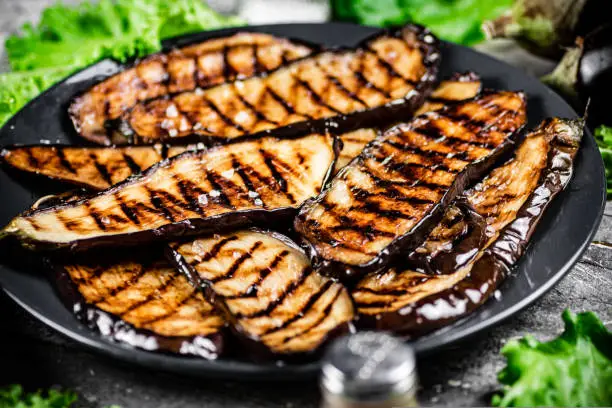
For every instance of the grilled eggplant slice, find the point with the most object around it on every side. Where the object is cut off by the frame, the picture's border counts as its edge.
(195, 192)
(458, 88)
(100, 167)
(387, 75)
(389, 198)
(205, 64)
(511, 200)
(142, 301)
(96, 168)
(267, 290)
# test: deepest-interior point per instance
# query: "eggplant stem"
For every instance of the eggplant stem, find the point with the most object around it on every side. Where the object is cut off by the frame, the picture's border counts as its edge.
(502, 27)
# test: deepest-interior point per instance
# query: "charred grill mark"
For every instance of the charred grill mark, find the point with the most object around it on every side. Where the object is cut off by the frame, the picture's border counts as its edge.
(191, 194)
(228, 121)
(129, 213)
(298, 315)
(263, 274)
(158, 203)
(334, 80)
(155, 293)
(213, 178)
(317, 98)
(238, 168)
(124, 285)
(403, 167)
(385, 291)
(390, 193)
(134, 168)
(364, 81)
(228, 69)
(97, 218)
(368, 231)
(237, 263)
(278, 177)
(102, 170)
(257, 66)
(306, 272)
(433, 133)
(31, 157)
(320, 320)
(213, 251)
(389, 68)
(417, 150)
(64, 162)
(175, 311)
(260, 116)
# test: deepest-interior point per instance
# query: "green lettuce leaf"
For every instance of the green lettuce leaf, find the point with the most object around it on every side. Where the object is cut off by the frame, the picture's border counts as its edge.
(14, 397)
(71, 37)
(458, 21)
(603, 137)
(573, 370)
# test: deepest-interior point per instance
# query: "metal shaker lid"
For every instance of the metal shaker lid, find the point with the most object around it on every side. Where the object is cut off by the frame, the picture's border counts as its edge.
(369, 366)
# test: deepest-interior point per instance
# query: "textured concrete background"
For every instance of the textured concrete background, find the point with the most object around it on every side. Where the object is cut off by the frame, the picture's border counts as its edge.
(33, 355)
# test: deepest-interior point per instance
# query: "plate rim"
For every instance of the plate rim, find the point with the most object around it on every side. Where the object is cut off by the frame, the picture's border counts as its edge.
(454, 334)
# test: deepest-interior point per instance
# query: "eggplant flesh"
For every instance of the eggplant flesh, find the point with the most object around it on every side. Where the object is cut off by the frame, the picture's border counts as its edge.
(95, 168)
(511, 201)
(192, 193)
(141, 301)
(343, 90)
(389, 198)
(457, 88)
(205, 64)
(267, 290)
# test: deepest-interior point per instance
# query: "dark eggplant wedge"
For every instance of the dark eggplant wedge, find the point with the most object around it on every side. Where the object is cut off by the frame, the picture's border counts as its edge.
(96, 168)
(144, 302)
(511, 201)
(388, 76)
(458, 88)
(268, 292)
(201, 65)
(251, 182)
(390, 197)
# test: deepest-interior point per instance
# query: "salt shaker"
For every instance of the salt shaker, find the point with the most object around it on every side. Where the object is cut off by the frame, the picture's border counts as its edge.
(367, 370)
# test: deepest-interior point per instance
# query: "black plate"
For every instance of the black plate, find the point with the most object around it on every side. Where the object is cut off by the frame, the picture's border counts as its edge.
(562, 236)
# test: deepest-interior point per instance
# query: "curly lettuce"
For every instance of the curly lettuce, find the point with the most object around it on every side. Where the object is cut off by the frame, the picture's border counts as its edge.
(603, 137)
(573, 370)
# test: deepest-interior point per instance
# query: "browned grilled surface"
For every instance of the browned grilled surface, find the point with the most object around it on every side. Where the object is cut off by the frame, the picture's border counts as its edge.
(497, 199)
(458, 88)
(329, 84)
(148, 295)
(93, 167)
(398, 179)
(201, 65)
(188, 193)
(269, 290)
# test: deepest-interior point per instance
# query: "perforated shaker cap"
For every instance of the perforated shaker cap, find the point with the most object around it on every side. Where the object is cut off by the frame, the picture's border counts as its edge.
(369, 366)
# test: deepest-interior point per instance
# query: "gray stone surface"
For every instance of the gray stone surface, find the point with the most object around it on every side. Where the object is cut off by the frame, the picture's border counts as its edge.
(33, 355)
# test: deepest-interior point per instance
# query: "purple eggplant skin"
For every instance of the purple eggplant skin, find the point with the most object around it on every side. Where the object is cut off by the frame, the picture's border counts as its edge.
(116, 329)
(595, 74)
(189, 227)
(253, 348)
(387, 113)
(462, 250)
(498, 259)
(405, 243)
